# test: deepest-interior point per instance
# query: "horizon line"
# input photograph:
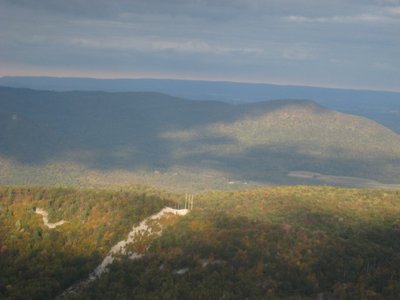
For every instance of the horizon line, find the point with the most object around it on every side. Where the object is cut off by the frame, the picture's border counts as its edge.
(282, 84)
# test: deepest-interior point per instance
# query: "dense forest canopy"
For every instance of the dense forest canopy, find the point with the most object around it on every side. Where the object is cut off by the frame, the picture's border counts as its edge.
(281, 243)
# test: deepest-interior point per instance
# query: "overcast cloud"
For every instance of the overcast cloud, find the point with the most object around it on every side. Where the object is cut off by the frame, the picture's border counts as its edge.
(314, 42)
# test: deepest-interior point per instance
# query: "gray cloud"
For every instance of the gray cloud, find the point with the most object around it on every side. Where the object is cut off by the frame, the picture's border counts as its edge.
(218, 10)
(389, 14)
(320, 42)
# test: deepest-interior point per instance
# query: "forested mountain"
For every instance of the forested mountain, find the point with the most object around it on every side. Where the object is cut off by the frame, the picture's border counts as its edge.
(91, 138)
(268, 243)
(123, 242)
(380, 106)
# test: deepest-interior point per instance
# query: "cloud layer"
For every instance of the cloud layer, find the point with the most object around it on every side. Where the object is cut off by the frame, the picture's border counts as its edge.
(330, 43)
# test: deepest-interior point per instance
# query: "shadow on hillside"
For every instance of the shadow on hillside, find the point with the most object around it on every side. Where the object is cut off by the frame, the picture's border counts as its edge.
(272, 164)
(303, 255)
(41, 126)
(109, 131)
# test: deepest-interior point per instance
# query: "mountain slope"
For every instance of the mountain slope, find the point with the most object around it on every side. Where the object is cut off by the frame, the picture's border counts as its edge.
(380, 106)
(38, 261)
(267, 243)
(88, 138)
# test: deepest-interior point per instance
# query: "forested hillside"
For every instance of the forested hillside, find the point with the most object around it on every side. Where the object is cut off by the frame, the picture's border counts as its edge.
(380, 106)
(98, 138)
(279, 243)
(37, 262)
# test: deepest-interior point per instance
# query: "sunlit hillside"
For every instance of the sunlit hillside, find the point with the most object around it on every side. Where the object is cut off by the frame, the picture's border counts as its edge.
(104, 139)
(268, 243)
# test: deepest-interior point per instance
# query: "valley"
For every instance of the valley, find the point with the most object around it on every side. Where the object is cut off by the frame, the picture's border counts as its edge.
(79, 218)
(342, 180)
(199, 150)
(103, 139)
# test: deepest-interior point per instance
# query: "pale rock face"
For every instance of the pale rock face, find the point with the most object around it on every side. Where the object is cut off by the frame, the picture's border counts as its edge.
(120, 248)
(45, 216)
(181, 271)
(137, 231)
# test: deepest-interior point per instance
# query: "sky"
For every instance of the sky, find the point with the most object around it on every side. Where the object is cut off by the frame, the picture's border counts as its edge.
(330, 43)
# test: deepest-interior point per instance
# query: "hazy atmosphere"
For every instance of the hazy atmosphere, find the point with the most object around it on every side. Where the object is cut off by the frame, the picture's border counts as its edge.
(351, 44)
(200, 149)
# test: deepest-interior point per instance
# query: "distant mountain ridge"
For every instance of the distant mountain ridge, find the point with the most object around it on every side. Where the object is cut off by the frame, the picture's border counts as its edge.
(380, 106)
(192, 89)
(90, 138)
